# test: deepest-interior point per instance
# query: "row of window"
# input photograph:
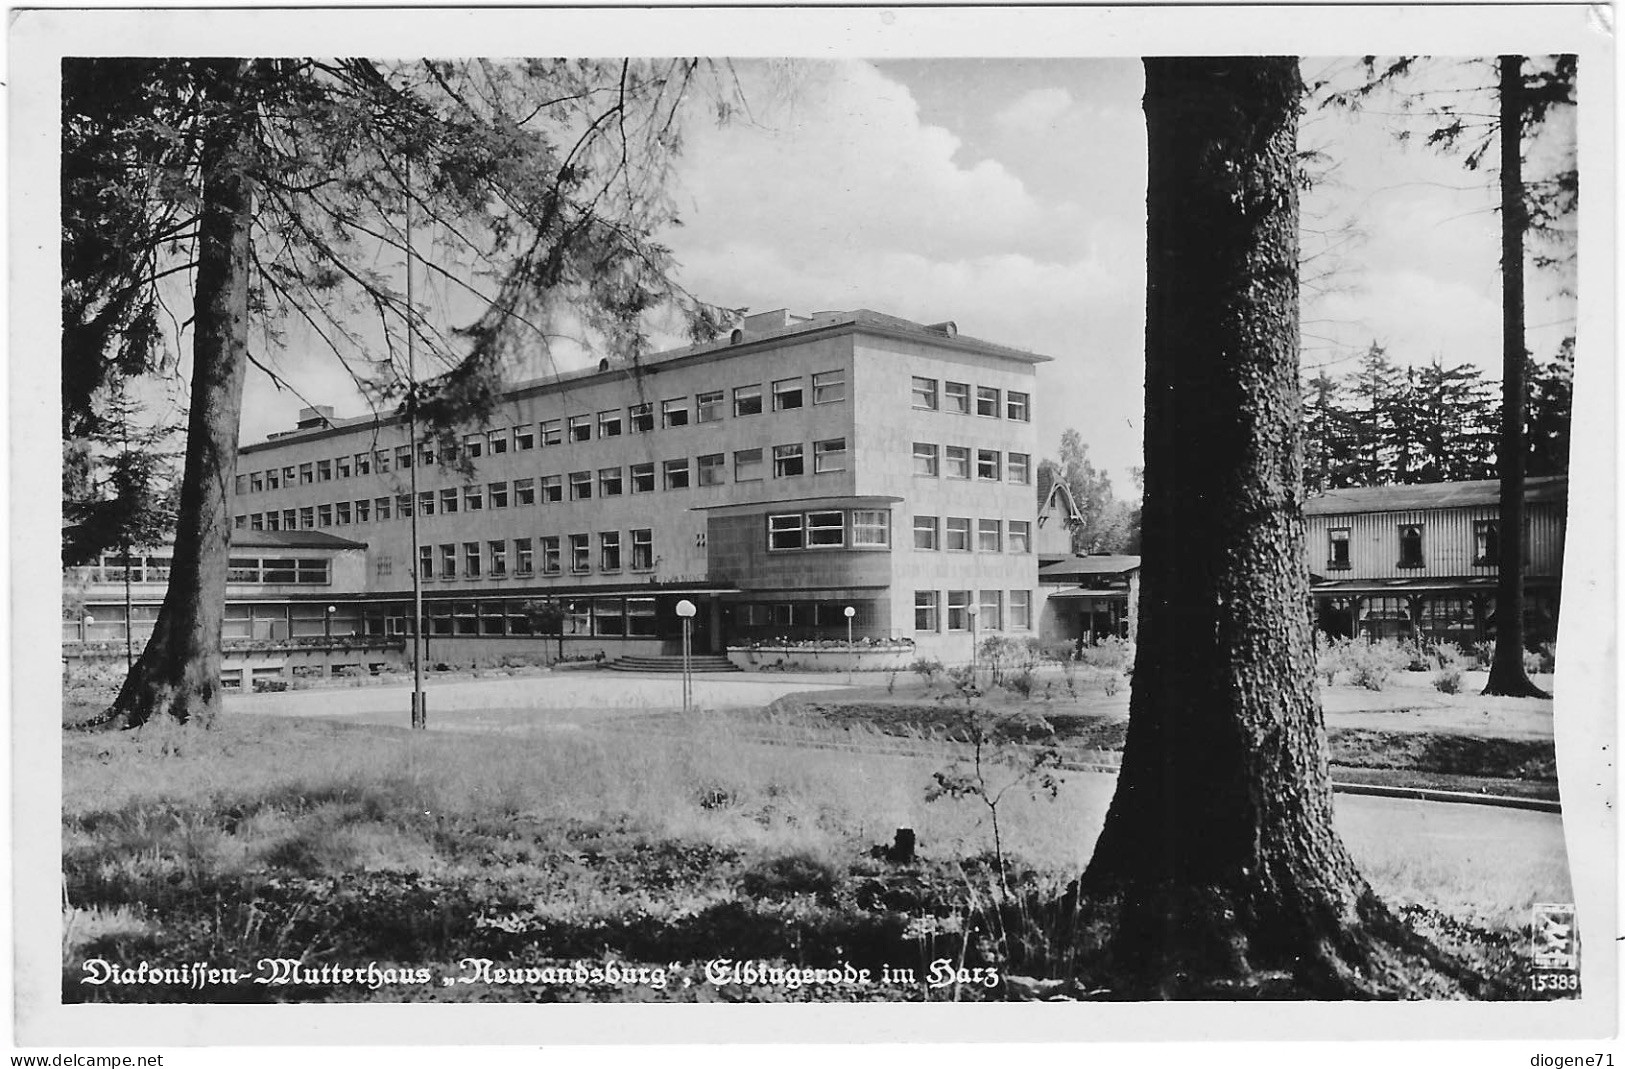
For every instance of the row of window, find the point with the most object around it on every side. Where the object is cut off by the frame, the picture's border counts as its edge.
(994, 610)
(1486, 545)
(956, 397)
(827, 387)
(545, 555)
(116, 568)
(749, 465)
(954, 533)
(830, 529)
(954, 462)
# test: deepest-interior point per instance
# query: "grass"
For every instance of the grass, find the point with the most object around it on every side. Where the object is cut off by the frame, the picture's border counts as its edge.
(343, 845)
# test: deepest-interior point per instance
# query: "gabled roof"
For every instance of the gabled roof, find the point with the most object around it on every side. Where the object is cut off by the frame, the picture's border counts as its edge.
(1072, 514)
(1418, 496)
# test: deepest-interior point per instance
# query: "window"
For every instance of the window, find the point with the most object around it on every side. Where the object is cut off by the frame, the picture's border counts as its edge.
(448, 560)
(747, 465)
(643, 549)
(550, 554)
(380, 508)
(676, 474)
(925, 393)
(552, 432)
(925, 532)
(324, 471)
(324, 515)
(713, 469)
(497, 441)
(957, 461)
(675, 412)
(273, 479)
(474, 445)
(287, 475)
(1486, 543)
(426, 562)
(1019, 536)
(272, 521)
(1337, 548)
(580, 485)
(956, 533)
(708, 406)
(403, 506)
(787, 460)
(240, 484)
(989, 535)
(448, 500)
(610, 483)
(499, 557)
(552, 489)
(288, 523)
(826, 529)
(380, 461)
(473, 498)
(425, 454)
(925, 459)
(640, 616)
(362, 463)
(307, 474)
(641, 418)
(256, 482)
(253, 523)
(829, 456)
(787, 394)
(609, 551)
(871, 527)
(747, 400)
(307, 518)
(829, 387)
(957, 397)
(471, 560)
(609, 423)
(580, 553)
(784, 532)
(341, 513)
(403, 459)
(499, 495)
(1021, 610)
(1018, 406)
(958, 610)
(1410, 545)
(522, 556)
(987, 464)
(341, 468)
(990, 610)
(608, 617)
(580, 428)
(987, 401)
(426, 503)
(524, 437)
(1019, 468)
(524, 491)
(643, 478)
(925, 610)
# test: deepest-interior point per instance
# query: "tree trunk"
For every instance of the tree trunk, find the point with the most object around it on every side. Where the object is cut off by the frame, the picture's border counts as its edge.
(1219, 866)
(178, 674)
(1507, 676)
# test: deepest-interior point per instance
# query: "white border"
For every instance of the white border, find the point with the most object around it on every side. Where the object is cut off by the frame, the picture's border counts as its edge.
(1586, 730)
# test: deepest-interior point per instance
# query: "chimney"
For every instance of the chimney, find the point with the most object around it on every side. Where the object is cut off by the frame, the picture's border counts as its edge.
(315, 416)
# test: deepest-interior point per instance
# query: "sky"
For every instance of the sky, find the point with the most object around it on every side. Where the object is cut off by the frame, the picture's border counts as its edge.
(1009, 196)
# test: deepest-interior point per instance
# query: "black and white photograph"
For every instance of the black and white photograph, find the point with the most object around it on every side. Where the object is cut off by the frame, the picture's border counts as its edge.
(1070, 507)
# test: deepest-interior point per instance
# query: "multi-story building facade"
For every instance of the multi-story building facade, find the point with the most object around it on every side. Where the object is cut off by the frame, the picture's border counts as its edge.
(1421, 560)
(776, 477)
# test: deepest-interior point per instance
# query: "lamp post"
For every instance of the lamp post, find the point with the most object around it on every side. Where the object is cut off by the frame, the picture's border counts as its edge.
(686, 610)
(971, 611)
(850, 612)
(90, 622)
(328, 621)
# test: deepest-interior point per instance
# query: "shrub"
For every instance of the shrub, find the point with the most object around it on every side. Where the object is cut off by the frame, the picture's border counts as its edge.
(1108, 652)
(926, 668)
(1449, 655)
(1417, 659)
(1484, 654)
(1371, 664)
(1021, 682)
(992, 651)
(790, 874)
(1112, 684)
(1447, 680)
(1332, 659)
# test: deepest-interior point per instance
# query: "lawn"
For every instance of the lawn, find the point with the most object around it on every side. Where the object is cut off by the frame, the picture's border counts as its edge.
(340, 845)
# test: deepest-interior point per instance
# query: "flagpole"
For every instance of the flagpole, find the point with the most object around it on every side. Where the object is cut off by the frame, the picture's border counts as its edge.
(420, 705)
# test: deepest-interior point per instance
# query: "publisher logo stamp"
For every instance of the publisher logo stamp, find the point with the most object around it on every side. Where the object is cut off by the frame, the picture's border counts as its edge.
(1554, 948)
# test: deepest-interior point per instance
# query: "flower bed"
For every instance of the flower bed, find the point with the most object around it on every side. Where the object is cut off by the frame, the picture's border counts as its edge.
(823, 655)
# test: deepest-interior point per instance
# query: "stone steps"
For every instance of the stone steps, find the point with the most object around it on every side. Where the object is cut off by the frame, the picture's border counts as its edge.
(697, 663)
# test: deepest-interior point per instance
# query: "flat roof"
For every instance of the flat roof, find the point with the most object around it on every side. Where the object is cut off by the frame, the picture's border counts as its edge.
(291, 540)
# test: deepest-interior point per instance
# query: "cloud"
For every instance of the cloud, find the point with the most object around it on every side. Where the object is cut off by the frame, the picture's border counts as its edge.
(1035, 113)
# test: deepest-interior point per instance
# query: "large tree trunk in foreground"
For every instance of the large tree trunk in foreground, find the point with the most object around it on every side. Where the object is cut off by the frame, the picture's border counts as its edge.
(1507, 675)
(1221, 869)
(178, 674)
